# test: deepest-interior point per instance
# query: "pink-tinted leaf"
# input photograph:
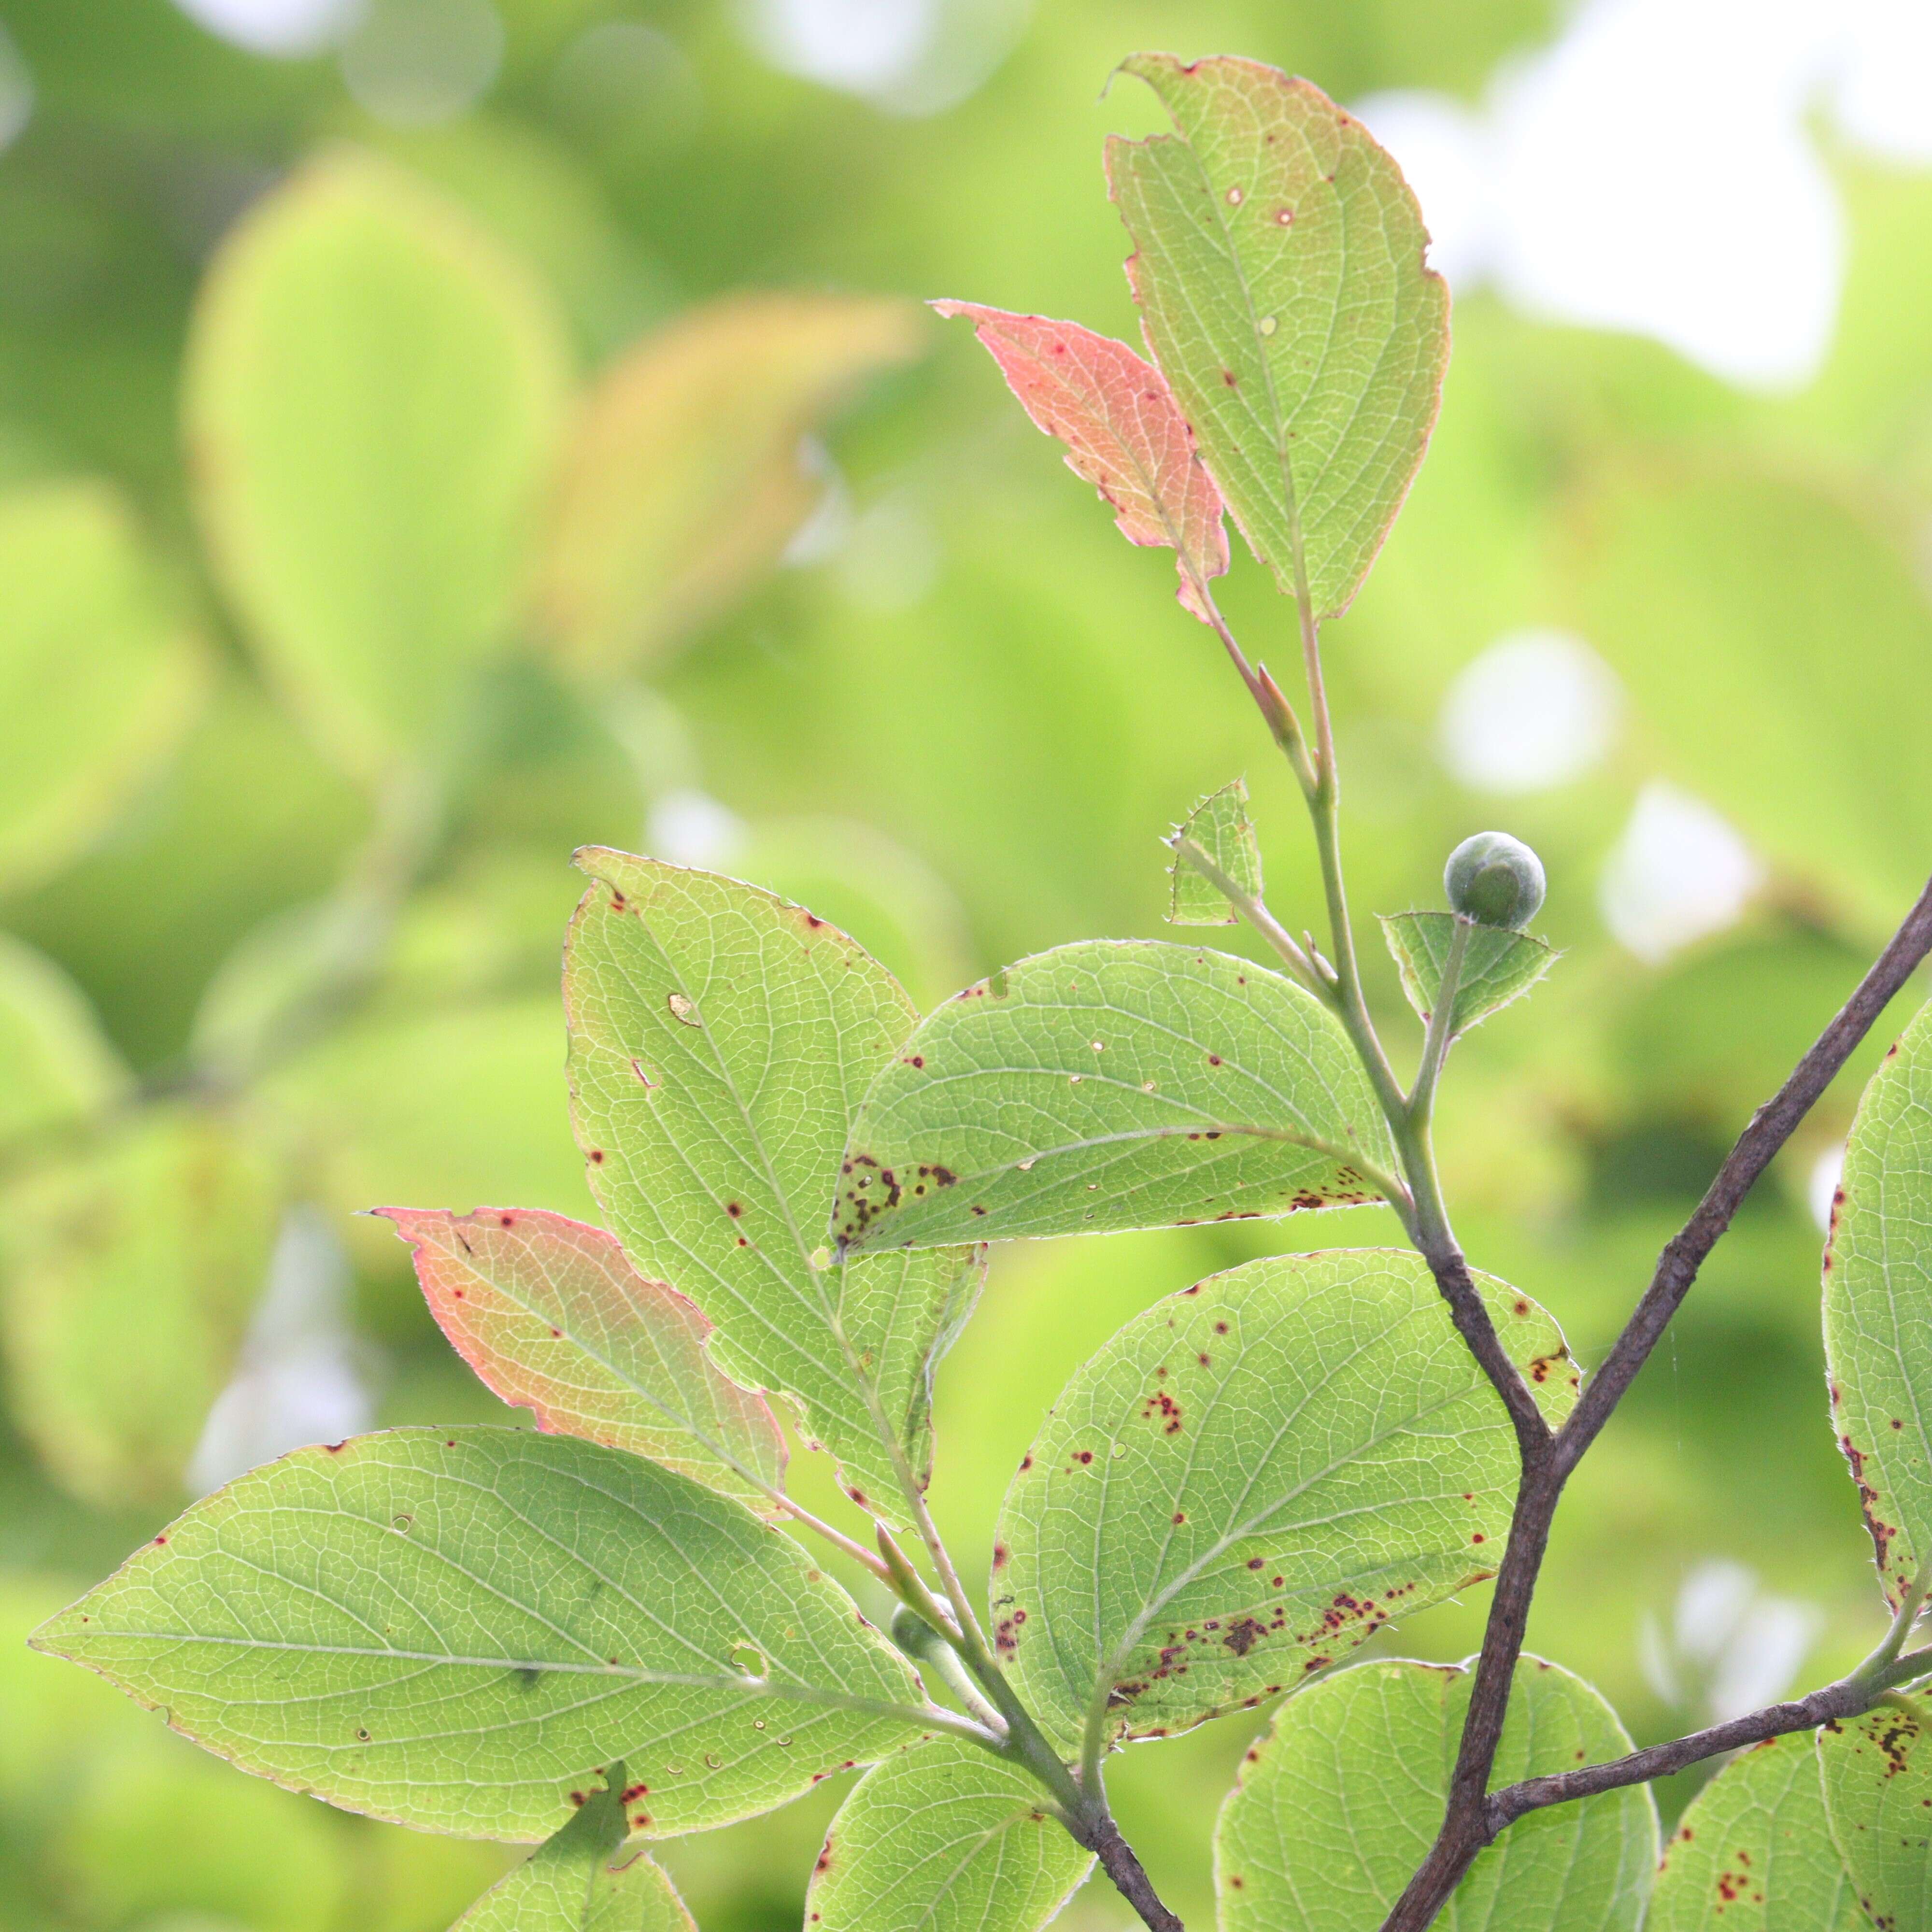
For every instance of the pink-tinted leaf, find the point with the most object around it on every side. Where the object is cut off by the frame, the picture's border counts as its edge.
(1123, 432)
(552, 1316)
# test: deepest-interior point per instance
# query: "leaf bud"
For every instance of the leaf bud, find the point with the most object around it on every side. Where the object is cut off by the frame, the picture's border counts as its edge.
(915, 1636)
(1494, 880)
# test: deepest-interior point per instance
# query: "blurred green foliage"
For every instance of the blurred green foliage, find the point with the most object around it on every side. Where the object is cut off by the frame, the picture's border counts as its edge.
(304, 704)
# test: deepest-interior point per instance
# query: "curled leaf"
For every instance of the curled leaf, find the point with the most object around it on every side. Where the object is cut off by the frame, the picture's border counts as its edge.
(1220, 826)
(1123, 431)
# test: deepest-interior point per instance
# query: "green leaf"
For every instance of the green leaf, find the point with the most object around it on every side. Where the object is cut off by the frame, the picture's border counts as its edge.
(128, 1271)
(374, 392)
(458, 1629)
(1498, 965)
(720, 1040)
(943, 1838)
(1877, 1774)
(99, 676)
(464, 1102)
(57, 1068)
(1878, 1309)
(684, 483)
(1220, 826)
(1278, 264)
(1251, 1479)
(1722, 587)
(1754, 1852)
(1123, 434)
(1338, 1804)
(1108, 1085)
(551, 1315)
(582, 1879)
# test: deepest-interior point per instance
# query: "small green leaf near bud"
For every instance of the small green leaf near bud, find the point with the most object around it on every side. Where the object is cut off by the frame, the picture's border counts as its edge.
(1494, 880)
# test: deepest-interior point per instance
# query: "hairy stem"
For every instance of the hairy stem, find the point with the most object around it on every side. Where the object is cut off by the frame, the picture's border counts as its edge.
(1469, 1822)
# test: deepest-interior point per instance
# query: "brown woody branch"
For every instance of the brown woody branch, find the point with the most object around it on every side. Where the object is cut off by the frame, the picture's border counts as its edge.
(1845, 1699)
(1471, 1820)
(1103, 1838)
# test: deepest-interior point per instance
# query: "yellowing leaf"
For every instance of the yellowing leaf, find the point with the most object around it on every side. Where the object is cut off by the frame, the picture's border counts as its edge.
(128, 1272)
(1279, 267)
(684, 483)
(551, 1315)
(1123, 432)
(100, 677)
(373, 394)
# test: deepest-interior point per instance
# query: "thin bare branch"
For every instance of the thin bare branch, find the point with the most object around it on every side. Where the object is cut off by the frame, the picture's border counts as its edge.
(1468, 1824)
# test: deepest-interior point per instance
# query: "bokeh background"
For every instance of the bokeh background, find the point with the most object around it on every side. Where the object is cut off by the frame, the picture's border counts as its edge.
(555, 454)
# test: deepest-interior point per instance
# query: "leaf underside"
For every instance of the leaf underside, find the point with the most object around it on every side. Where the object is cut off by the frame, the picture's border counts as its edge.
(720, 1041)
(1337, 1806)
(1251, 1479)
(1877, 1774)
(1754, 1852)
(584, 1879)
(1279, 266)
(552, 1316)
(1123, 434)
(1878, 1308)
(943, 1838)
(458, 1630)
(1498, 965)
(1220, 826)
(1110, 1085)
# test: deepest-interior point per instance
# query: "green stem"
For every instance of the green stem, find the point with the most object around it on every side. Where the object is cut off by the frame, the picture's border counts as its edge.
(1441, 1024)
(1875, 1672)
(1257, 914)
(1024, 1744)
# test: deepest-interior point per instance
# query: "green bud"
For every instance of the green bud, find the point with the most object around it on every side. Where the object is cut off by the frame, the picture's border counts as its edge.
(1494, 880)
(915, 1636)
